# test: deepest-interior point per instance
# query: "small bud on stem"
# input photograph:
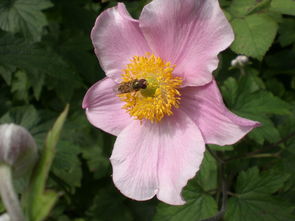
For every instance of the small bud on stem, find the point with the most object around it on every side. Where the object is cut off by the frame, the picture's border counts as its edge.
(17, 149)
(240, 61)
(18, 154)
(8, 194)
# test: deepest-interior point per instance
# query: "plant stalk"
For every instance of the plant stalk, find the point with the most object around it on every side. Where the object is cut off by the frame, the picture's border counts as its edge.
(8, 195)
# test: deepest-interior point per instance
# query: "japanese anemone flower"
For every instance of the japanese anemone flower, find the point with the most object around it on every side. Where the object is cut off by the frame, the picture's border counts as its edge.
(163, 126)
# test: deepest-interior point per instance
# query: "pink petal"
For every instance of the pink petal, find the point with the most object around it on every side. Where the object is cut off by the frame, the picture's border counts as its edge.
(103, 107)
(117, 38)
(157, 158)
(180, 156)
(218, 125)
(188, 33)
(134, 160)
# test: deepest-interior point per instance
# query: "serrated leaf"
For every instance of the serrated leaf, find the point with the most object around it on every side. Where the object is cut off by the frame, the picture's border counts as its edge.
(283, 6)
(24, 16)
(258, 207)
(253, 200)
(246, 99)
(246, 96)
(262, 102)
(66, 164)
(267, 131)
(229, 91)
(233, 89)
(254, 181)
(199, 205)
(207, 175)
(25, 116)
(20, 86)
(84, 62)
(96, 161)
(33, 58)
(254, 35)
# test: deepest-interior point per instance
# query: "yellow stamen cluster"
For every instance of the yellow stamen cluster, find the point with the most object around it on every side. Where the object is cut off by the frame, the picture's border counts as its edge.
(161, 93)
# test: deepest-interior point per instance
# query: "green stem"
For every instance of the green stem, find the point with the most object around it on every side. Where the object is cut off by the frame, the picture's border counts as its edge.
(264, 155)
(8, 195)
(266, 148)
(223, 184)
(242, 71)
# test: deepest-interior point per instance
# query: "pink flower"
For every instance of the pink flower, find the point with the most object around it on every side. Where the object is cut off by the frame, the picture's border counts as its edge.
(162, 128)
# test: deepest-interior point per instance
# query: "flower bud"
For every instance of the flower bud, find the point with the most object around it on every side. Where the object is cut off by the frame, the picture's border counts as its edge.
(17, 149)
(240, 61)
(4, 217)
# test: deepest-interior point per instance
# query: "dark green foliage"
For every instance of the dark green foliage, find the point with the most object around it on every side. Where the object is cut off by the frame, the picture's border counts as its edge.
(47, 60)
(200, 204)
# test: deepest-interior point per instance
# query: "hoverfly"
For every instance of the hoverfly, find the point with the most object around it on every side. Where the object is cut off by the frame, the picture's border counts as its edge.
(132, 86)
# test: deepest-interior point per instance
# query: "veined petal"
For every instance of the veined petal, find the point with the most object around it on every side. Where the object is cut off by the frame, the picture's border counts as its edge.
(117, 38)
(180, 156)
(218, 125)
(134, 160)
(150, 159)
(189, 34)
(104, 108)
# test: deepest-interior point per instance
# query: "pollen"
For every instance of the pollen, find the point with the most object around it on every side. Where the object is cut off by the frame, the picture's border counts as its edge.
(160, 96)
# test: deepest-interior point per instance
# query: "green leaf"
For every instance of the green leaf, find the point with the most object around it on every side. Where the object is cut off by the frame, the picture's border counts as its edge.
(25, 116)
(221, 148)
(20, 86)
(246, 99)
(37, 81)
(108, 205)
(34, 208)
(24, 16)
(260, 6)
(66, 164)
(233, 90)
(45, 204)
(34, 59)
(283, 6)
(199, 205)
(96, 161)
(267, 130)
(254, 181)
(84, 62)
(262, 102)
(241, 8)
(207, 175)
(258, 207)
(254, 35)
(276, 87)
(6, 73)
(287, 32)
(229, 91)
(253, 199)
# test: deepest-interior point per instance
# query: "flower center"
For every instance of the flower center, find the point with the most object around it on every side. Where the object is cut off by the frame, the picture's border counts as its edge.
(156, 91)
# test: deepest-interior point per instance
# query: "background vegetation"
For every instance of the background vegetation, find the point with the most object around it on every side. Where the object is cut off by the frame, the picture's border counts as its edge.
(47, 60)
